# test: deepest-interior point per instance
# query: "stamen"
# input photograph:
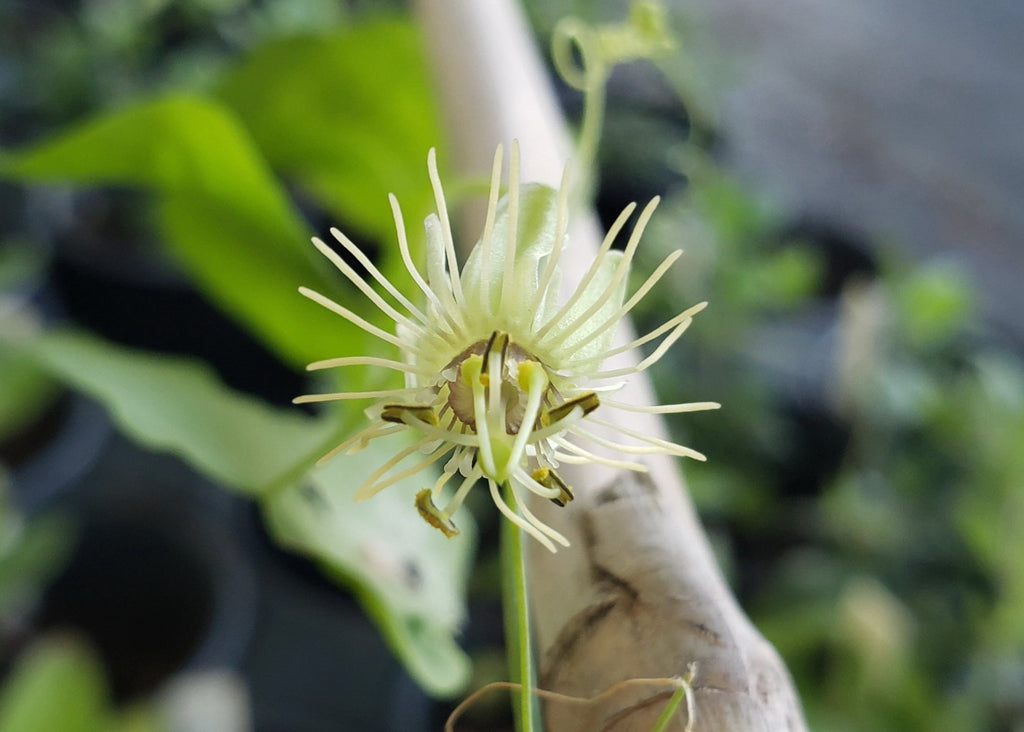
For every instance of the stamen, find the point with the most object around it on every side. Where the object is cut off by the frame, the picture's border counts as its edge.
(450, 469)
(587, 402)
(399, 413)
(430, 514)
(534, 486)
(439, 433)
(548, 478)
(566, 422)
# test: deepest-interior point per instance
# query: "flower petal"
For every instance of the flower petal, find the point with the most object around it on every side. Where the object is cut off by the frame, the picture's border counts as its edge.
(575, 330)
(535, 240)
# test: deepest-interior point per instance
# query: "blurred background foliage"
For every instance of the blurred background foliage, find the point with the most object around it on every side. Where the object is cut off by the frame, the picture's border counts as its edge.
(165, 163)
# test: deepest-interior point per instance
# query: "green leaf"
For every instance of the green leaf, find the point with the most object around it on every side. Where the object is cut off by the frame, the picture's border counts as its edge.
(178, 405)
(239, 262)
(225, 216)
(57, 685)
(410, 578)
(174, 144)
(348, 120)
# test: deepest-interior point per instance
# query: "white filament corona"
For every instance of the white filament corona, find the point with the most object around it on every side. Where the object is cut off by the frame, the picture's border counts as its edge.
(497, 371)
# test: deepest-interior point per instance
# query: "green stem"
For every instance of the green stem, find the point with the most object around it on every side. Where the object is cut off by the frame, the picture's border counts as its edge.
(589, 76)
(670, 709)
(596, 75)
(517, 619)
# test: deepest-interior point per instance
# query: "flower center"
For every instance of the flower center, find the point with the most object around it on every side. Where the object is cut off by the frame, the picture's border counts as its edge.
(509, 390)
(498, 392)
(495, 399)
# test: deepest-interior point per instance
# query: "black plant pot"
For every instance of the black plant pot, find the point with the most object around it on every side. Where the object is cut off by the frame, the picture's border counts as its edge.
(161, 579)
(50, 455)
(317, 663)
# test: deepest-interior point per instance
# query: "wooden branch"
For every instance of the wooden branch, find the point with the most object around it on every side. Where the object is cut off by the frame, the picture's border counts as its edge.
(638, 594)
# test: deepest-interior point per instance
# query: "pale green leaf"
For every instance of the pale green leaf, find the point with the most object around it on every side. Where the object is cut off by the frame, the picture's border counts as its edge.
(173, 144)
(411, 578)
(178, 405)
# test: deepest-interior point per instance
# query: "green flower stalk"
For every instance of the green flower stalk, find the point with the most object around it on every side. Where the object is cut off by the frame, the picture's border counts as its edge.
(503, 381)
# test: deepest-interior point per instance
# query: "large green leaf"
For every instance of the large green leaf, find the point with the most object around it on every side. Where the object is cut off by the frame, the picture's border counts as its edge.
(411, 578)
(175, 144)
(350, 114)
(239, 262)
(178, 405)
(225, 216)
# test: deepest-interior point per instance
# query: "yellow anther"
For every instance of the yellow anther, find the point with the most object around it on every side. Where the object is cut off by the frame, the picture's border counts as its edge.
(398, 412)
(431, 514)
(472, 369)
(528, 372)
(587, 402)
(550, 479)
(498, 342)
